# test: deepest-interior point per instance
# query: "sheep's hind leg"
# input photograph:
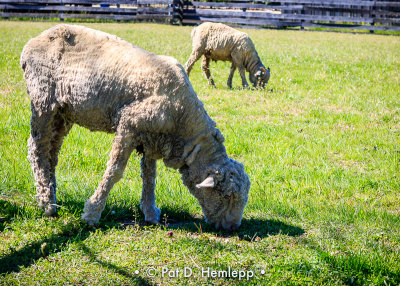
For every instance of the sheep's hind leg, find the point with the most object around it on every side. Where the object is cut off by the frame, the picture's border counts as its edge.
(39, 145)
(60, 129)
(147, 202)
(229, 82)
(193, 58)
(122, 148)
(205, 66)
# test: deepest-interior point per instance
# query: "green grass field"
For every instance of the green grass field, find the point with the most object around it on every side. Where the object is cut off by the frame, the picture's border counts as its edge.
(321, 146)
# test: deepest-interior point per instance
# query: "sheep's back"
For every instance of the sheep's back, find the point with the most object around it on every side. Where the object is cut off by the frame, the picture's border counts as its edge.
(93, 75)
(220, 40)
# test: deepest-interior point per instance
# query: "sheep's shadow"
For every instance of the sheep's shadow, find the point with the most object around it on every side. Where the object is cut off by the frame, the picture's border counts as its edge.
(34, 250)
(256, 227)
(78, 232)
(69, 233)
(180, 218)
(249, 230)
(115, 215)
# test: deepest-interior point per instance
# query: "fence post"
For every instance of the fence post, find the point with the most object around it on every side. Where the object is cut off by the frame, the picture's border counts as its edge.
(61, 14)
(177, 12)
(372, 15)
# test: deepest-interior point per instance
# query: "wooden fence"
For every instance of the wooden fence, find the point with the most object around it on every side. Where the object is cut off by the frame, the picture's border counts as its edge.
(351, 14)
(369, 15)
(170, 11)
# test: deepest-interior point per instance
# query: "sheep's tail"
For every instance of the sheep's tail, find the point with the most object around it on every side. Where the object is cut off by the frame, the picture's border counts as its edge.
(22, 63)
(23, 58)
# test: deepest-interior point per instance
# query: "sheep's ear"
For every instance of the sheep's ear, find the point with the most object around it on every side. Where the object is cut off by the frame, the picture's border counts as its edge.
(263, 69)
(209, 182)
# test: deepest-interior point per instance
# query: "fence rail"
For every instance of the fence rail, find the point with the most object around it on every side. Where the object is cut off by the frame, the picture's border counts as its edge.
(369, 15)
(121, 10)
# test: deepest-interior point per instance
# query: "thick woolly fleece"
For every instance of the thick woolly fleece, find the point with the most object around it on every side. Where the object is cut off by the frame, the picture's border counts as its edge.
(220, 42)
(78, 75)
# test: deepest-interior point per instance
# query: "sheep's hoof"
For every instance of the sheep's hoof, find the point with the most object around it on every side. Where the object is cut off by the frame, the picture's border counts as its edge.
(153, 222)
(90, 219)
(153, 216)
(50, 210)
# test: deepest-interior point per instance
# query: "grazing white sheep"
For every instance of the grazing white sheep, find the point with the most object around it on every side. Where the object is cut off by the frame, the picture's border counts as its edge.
(219, 42)
(99, 81)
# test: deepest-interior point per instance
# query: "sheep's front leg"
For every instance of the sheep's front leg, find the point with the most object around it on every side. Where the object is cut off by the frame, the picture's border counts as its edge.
(238, 62)
(243, 75)
(119, 156)
(229, 82)
(148, 200)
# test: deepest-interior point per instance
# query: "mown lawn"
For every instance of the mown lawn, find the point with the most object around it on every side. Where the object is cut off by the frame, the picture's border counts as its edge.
(321, 146)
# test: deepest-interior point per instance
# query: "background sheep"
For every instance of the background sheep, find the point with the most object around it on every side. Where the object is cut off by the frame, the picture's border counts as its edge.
(79, 75)
(219, 42)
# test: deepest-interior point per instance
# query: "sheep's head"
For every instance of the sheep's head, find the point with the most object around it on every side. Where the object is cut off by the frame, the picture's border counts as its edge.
(223, 195)
(261, 77)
